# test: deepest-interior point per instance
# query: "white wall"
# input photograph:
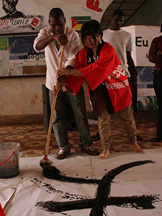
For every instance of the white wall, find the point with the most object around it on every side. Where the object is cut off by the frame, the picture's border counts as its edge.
(21, 96)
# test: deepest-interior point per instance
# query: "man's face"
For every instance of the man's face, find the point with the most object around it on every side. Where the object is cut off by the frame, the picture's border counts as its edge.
(117, 21)
(57, 25)
(6, 6)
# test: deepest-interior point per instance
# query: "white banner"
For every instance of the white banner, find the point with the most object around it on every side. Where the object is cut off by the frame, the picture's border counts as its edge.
(32, 15)
(142, 37)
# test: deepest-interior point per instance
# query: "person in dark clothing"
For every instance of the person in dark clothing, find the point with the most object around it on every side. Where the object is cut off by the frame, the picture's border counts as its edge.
(9, 6)
(155, 56)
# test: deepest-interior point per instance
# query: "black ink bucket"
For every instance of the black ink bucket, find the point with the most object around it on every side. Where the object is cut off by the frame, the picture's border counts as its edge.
(9, 159)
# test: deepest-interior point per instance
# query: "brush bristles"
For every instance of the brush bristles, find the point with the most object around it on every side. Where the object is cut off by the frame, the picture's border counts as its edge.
(45, 162)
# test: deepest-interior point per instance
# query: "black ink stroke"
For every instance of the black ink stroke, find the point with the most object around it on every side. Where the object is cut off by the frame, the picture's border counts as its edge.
(102, 196)
(104, 187)
(139, 202)
(50, 173)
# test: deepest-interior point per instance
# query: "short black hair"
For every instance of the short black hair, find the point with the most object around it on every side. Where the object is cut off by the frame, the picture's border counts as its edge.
(118, 12)
(91, 27)
(56, 13)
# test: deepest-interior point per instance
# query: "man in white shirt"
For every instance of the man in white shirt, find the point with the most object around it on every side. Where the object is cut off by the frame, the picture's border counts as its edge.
(51, 38)
(121, 40)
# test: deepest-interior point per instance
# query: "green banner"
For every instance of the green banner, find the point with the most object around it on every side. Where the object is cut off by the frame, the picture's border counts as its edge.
(3, 43)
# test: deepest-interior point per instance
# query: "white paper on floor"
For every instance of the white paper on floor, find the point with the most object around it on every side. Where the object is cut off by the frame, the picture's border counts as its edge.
(5, 194)
(20, 195)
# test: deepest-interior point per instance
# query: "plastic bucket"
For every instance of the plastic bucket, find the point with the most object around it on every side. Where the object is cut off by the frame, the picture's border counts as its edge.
(9, 159)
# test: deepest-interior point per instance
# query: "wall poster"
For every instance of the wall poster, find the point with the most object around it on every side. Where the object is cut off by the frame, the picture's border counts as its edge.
(18, 52)
(31, 16)
(146, 94)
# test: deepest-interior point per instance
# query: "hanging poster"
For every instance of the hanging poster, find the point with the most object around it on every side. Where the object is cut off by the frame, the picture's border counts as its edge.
(146, 103)
(21, 51)
(31, 15)
(146, 94)
(17, 52)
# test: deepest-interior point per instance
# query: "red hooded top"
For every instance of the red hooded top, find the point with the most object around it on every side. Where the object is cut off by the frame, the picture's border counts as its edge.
(106, 69)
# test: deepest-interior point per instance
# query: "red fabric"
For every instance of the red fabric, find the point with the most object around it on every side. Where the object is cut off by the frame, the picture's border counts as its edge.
(107, 68)
(1, 211)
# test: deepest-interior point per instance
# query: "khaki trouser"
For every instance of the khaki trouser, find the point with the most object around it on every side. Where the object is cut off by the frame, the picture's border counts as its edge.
(104, 118)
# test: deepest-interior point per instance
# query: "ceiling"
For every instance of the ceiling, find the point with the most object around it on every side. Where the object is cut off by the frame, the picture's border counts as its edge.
(129, 7)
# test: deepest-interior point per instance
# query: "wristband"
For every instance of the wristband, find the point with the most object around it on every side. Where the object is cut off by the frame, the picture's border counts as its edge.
(71, 72)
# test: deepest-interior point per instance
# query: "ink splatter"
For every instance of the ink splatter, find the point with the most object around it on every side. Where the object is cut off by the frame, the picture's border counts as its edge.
(51, 190)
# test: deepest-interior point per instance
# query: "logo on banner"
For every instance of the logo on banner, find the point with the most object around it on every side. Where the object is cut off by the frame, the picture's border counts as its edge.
(35, 22)
(16, 21)
(93, 5)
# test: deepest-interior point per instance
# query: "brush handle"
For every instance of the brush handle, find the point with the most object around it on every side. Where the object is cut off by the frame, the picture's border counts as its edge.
(53, 105)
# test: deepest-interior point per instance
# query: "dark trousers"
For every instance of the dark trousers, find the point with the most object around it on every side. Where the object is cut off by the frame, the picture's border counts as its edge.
(59, 120)
(133, 86)
(157, 83)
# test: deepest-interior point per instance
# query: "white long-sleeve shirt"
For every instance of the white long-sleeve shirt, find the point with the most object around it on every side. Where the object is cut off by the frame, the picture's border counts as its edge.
(52, 55)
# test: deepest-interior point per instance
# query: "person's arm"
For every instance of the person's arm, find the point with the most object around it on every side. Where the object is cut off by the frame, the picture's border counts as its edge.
(98, 71)
(61, 80)
(44, 39)
(75, 72)
(75, 82)
(41, 44)
(131, 65)
(73, 50)
(155, 56)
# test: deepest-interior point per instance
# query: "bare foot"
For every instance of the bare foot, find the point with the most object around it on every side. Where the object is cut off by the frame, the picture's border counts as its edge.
(136, 148)
(104, 154)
